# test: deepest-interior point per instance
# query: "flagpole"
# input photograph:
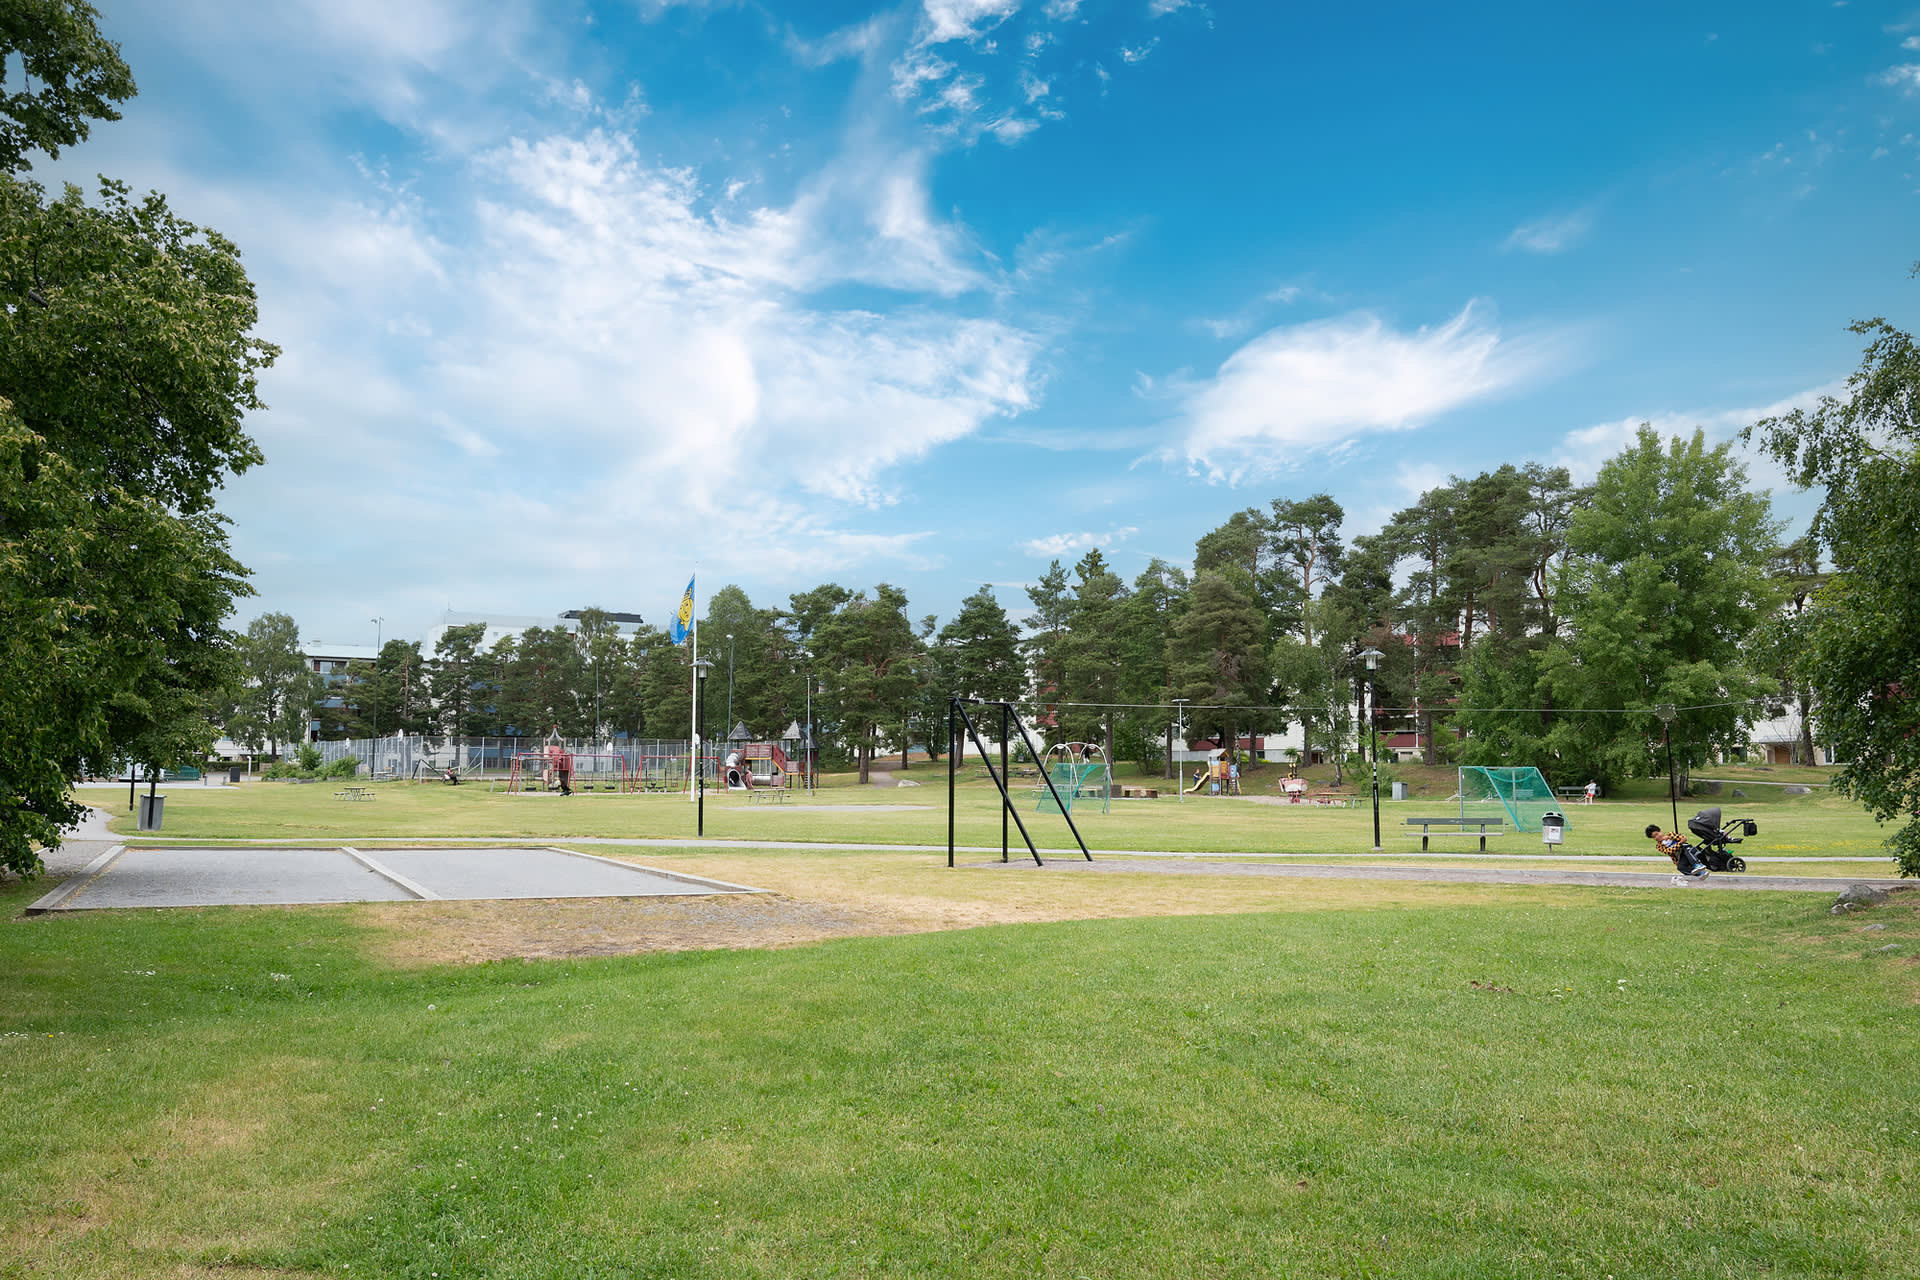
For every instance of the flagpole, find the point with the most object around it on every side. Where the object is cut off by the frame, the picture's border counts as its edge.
(693, 701)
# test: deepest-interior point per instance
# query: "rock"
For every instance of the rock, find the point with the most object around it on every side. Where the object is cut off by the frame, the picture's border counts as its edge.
(1891, 946)
(1797, 790)
(1872, 928)
(1861, 895)
(1838, 908)
(1738, 794)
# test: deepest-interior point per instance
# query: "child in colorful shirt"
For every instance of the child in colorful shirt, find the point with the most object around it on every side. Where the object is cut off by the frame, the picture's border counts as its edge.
(1677, 849)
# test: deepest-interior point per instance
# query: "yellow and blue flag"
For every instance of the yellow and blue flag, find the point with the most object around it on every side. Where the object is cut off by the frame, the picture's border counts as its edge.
(683, 617)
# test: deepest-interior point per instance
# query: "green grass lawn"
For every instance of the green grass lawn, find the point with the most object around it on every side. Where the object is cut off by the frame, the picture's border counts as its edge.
(1580, 1083)
(1798, 826)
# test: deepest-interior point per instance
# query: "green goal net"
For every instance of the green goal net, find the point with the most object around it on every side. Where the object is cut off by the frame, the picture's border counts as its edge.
(1090, 782)
(1518, 795)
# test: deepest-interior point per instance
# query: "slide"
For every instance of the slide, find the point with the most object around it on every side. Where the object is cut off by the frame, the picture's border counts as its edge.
(1204, 779)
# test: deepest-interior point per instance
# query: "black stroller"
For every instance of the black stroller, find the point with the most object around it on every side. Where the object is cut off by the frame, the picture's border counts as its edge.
(1715, 837)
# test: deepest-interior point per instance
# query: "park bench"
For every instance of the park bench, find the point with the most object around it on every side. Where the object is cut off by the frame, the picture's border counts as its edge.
(1139, 793)
(1330, 799)
(1482, 827)
(354, 793)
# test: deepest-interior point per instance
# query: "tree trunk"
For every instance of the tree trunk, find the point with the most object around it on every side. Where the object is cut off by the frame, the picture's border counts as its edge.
(1806, 728)
(864, 755)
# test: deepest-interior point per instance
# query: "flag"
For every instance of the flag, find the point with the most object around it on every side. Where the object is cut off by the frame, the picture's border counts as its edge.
(683, 617)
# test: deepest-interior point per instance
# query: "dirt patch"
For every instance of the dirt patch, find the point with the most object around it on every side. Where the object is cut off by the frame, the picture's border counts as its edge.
(820, 896)
(419, 933)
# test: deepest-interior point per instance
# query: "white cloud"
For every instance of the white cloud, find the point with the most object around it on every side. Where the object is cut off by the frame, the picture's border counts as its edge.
(1584, 449)
(1053, 546)
(1314, 388)
(1551, 234)
(1161, 8)
(1905, 77)
(1061, 10)
(964, 19)
(857, 40)
(1138, 53)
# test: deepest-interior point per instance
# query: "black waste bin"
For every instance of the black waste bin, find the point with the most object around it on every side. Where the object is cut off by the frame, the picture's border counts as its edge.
(233, 774)
(151, 810)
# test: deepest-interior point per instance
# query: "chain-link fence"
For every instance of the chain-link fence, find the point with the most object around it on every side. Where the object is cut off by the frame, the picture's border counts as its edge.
(652, 763)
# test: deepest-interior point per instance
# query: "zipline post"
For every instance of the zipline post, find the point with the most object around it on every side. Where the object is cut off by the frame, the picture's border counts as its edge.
(1065, 810)
(1005, 774)
(952, 776)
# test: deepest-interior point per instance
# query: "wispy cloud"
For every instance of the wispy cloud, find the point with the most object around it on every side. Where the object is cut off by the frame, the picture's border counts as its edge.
(1056, 545)
(1584, 449)
(1905, 77)
(1308, 389)
(1551, 234)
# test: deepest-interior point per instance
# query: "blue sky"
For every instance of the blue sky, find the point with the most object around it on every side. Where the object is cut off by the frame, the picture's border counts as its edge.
(576, 296)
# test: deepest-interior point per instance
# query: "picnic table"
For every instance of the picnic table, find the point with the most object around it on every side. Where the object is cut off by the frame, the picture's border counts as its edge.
(1482, 827)
(354, 793)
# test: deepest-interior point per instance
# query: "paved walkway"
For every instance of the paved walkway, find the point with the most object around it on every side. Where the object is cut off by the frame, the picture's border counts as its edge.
(93, 839)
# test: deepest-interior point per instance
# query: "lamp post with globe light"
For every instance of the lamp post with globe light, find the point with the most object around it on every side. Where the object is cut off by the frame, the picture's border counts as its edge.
(1372, 658)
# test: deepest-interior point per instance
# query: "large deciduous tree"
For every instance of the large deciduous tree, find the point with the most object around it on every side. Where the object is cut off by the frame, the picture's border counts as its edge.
(278, 689)
(1669, 580)
(1862, 629)
(126, 368)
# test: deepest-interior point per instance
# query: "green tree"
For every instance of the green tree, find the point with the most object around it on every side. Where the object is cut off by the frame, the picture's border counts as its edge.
(1862, 635)
(278, 688)
(1149, 616)
(1045, 643)
(866, 656)
(454, 681)
(1220, 661)
(977, 654)
(79, 73)
(1090, 654)
(1669, 568)
(126, 368)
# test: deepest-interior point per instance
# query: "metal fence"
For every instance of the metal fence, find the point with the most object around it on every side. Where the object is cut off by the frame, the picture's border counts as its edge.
(657, 760)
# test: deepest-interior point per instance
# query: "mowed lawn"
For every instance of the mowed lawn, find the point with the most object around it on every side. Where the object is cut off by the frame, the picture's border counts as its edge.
(1465, 1083)
(1801, 826)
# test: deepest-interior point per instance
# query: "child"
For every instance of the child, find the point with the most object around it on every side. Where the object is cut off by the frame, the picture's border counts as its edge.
(1676, 848)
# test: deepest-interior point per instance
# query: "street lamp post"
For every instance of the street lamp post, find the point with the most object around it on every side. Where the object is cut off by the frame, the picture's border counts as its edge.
(1372, 658)
(373, 763)
(729, 686)
(700, 668)
(806, 739)
(1180, 736)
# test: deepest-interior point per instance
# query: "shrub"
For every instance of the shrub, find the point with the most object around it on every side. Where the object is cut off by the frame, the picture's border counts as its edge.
(344, 767)
(309, 759)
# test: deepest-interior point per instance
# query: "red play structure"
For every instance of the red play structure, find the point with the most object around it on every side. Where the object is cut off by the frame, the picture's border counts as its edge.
(761, 764)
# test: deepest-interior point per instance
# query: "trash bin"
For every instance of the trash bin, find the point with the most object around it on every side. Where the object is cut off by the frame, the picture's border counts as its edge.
(1553, 828)
(1399, 791)
(151, 809)
(233, 774)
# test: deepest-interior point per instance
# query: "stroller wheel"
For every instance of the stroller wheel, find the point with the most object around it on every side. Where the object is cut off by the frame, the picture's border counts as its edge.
(1736, 864)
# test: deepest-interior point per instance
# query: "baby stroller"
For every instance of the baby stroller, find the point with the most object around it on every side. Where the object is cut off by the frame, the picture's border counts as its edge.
(1714, 839)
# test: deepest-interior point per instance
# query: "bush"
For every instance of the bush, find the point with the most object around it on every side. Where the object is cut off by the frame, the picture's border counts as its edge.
(281, 769)
(344, 767)
(309, 759)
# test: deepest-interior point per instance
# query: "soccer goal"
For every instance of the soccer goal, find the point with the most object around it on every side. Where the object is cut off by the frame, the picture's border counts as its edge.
(1518, 795)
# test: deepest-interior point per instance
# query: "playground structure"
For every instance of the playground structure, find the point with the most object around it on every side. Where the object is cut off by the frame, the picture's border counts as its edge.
(553, 768)
(1075, 771)
(762, 765)
(1517, 795)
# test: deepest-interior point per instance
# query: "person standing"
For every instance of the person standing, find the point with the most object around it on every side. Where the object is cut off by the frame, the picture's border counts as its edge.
(1593, 789)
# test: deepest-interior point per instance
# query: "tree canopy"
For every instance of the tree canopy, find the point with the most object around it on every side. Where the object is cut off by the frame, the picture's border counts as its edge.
(1860, 632)
(127, 365)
